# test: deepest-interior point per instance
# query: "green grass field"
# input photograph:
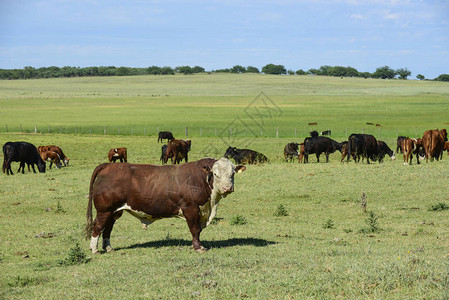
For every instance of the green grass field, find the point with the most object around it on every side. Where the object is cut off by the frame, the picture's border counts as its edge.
(323, 248)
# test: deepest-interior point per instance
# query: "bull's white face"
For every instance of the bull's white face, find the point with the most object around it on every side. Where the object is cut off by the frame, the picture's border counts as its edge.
(223, 172)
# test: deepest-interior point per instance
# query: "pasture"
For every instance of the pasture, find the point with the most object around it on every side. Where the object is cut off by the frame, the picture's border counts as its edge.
(288, 231)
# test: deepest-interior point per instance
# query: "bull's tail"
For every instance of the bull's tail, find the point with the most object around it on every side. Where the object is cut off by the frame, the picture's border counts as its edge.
(349, 149)
(89, 220)
(4, 159)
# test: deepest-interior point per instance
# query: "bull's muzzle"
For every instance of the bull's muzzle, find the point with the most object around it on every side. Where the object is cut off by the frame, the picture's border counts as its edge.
(227, 189)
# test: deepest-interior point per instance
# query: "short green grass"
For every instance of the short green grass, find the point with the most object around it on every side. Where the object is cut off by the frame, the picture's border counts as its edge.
(269, 256)
(266, 256)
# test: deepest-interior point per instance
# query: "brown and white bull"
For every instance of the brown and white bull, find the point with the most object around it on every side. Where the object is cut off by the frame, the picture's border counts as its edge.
(190, 191)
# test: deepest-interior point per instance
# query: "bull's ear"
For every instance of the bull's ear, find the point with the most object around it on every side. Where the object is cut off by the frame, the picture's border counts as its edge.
(209, 173)
(206, 170)
(240, 168)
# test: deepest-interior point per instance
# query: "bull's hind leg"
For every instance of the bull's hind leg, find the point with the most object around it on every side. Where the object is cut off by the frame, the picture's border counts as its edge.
(100, 224)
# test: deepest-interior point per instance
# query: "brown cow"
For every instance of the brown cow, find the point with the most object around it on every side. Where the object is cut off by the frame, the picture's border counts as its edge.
(409, 147)
(52, 157)
(118, 153)
(301, 153)
(433, 143)
(58, 150)
(148, 192)
(177, 150)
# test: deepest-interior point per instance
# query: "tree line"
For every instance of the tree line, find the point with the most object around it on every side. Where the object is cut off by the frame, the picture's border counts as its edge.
(29, 72)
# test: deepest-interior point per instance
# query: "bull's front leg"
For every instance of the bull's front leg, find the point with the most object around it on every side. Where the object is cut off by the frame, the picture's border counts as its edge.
(192, 215)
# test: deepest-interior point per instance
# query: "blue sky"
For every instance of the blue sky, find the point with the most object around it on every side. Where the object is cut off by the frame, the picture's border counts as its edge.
(300, 34)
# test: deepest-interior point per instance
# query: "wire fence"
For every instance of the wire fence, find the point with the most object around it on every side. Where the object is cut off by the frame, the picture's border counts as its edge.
(226, 132)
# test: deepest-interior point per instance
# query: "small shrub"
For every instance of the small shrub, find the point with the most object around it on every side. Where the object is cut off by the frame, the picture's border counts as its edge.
(238, 220)
(329, 224)
(76, 257)
(59, 209)
(439, 206)
(281, 211)
(373, 224)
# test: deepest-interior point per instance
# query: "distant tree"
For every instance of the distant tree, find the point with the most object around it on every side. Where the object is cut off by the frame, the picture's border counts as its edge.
(251, 69)
(384, 72)
(238, 69)
(313, 71)
(403, 73)
(420, 77)
(198, 69)
(154, 70)
(123, 71)
(274, 69)
(290, 72)
(167, 71)
(324, 70)
(443, 77)
(184, 70)
(301, 72)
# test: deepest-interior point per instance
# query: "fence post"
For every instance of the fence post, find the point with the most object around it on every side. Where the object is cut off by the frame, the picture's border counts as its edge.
(363, 131)
(104, 130)
(132, 131)
(201, 131)
(277, 132)
(380, 134)
(261, 131)
(187, 131)
(35, 128)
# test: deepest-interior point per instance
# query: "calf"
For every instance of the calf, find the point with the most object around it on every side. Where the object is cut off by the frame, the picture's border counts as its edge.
(118, 154)
(190, 191)
(290, 151)
(177, 150)
(165, 135)
(409, 147)
(58, 150)
(399, 143)
(319, 144)
(164, 153)
(382, 150)
(242, 156)
(22, 152)
(52, 157)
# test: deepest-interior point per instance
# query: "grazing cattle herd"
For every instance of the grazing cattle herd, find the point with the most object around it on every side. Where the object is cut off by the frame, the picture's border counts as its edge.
(192, 191)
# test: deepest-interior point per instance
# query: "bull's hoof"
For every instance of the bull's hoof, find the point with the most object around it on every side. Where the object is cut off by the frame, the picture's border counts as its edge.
(405, 164)
(109, 249)
(201, 250)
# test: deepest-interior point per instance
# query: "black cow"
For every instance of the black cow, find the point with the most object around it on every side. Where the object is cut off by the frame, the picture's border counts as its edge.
(326, 132)
(290, 151)
(22, 152)
(242, 156)
(165, 135)
(382, 150)
(164, 153)
(362, 145)
(319, 144)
